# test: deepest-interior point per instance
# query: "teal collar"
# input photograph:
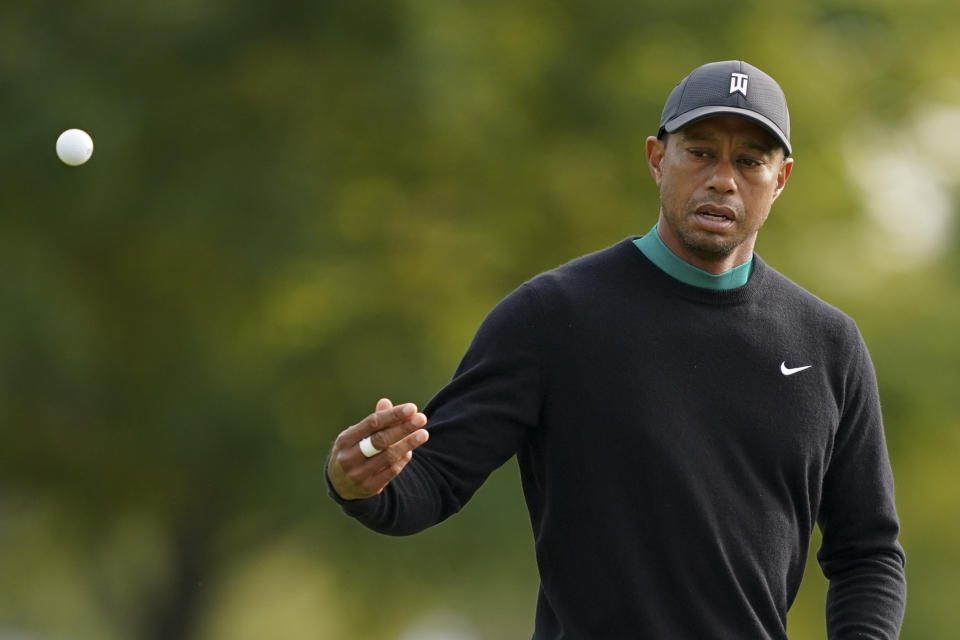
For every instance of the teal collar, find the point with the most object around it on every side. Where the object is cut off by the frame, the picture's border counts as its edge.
(659, 254)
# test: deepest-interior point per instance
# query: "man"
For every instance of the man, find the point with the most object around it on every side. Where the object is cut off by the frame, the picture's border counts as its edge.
(683, 415)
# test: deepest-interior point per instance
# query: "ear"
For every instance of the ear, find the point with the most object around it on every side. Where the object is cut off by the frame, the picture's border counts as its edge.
(782, 176)
(655, 153)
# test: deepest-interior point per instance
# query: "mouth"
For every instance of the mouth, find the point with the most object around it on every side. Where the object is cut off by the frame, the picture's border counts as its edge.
(716, 211)
(715, 217)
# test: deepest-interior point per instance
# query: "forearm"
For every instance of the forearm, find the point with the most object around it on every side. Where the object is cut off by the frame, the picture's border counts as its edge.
(476, 423)
(866, 597)
(861, 555)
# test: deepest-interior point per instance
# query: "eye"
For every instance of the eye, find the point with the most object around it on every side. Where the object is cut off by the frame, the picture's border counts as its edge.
(699, 153)
(751, 162)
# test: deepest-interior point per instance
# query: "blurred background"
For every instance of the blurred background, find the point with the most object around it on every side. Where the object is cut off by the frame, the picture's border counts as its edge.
(295, 208)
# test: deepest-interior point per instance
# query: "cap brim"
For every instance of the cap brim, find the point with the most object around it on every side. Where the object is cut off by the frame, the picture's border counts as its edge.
(702, 113)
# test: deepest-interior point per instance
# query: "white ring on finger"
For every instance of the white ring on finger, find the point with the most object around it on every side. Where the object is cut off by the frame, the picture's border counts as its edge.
(367, 448)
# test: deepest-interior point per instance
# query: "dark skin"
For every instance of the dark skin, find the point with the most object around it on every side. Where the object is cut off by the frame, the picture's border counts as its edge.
(718, 179)
(397, 431)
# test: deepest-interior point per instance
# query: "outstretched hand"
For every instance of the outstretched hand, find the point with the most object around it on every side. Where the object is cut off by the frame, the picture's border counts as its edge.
(393, 432)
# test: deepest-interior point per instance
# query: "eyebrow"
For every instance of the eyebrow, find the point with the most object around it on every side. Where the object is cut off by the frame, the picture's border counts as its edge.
(693, 136)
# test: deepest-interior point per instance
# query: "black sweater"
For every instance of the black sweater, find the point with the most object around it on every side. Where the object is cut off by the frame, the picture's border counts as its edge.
(673, 472)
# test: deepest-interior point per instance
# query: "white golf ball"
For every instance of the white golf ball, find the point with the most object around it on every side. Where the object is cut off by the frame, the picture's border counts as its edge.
(74, 147)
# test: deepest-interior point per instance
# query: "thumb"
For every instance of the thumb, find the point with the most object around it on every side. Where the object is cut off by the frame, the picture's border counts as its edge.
(383, 404)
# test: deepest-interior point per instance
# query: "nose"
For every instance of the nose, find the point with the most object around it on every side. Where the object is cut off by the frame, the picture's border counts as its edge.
(722, 180)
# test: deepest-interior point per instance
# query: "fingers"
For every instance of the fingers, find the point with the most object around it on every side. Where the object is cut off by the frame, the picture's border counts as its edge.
(388, 436)
(360, 477)
(385, 466)
(389, 453)
(385, 426)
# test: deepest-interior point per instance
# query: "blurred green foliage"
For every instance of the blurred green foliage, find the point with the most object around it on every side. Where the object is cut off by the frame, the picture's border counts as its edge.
(295, 208)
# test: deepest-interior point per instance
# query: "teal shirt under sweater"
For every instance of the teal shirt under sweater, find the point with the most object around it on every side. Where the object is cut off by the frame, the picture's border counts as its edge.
(653, 247)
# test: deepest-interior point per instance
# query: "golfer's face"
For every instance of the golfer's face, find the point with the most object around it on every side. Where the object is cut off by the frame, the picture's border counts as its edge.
(718, 179)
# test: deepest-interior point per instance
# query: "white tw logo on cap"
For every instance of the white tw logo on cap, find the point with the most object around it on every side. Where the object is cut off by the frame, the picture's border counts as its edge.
(738, 82)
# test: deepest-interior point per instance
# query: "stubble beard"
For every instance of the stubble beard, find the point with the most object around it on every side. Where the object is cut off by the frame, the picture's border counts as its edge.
(703, 244)
(707, 245)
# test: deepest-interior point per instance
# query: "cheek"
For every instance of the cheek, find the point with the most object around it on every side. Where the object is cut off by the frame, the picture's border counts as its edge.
(758, 207)
(671, 189)
(668, 197)
(760, 196)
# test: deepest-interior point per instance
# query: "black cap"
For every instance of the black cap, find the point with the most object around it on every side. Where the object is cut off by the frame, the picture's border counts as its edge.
(732, 87)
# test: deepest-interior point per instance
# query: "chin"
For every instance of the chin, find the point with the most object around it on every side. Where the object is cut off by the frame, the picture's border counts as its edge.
(710, 248)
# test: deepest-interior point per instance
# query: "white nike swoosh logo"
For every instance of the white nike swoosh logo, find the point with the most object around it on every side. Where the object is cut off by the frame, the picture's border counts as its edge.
(789, 372)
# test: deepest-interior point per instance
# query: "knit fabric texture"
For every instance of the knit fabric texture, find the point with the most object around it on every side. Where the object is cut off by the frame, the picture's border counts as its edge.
(675, 456)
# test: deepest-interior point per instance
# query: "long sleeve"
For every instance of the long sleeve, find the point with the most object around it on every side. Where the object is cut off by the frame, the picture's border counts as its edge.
(476, 423)
(860, 554)
(673, 467)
